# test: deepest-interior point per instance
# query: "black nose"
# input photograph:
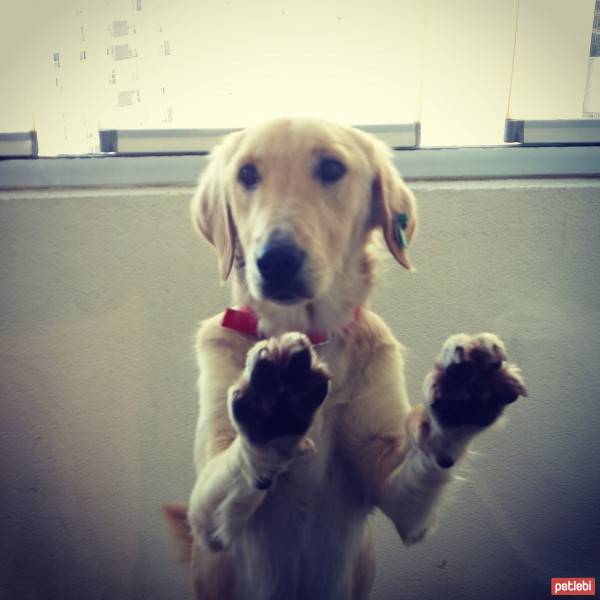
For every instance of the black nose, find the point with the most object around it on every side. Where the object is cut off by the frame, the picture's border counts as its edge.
(279, 261)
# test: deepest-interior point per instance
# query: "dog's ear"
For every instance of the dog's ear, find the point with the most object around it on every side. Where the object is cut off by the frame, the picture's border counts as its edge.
(394, 207)
(210, 208)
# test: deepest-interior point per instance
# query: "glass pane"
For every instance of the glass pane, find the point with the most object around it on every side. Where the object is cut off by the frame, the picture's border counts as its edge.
(74, 67)
(551, 59)
(591, 105)
(122, 64)
(236, 63)
(469, 49)
(18, 54)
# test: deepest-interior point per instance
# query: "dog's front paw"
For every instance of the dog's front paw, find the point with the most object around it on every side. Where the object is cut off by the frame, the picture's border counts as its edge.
(282, 386)
(472, 381)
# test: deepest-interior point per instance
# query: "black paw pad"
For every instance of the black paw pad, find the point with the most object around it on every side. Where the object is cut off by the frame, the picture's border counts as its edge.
(298, 366)
(213, 541)
(467, 396)
(263, 484)
(317, 391)
(445, 462)
(263, 373)
(281, 397)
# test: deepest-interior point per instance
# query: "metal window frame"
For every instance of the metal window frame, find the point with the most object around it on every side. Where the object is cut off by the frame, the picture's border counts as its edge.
(160, 142)
(22, 144)
(552, 132)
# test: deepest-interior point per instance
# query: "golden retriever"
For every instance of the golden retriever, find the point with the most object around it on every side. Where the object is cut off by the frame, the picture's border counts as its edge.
(304, 425)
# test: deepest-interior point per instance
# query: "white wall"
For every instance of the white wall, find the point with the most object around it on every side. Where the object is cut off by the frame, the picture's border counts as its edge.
(100, 295)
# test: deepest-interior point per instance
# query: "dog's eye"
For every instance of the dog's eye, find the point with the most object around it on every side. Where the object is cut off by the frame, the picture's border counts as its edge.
(330, 170)
(248, 176)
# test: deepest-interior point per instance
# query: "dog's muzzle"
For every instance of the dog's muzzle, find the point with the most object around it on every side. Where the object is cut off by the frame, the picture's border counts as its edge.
(280, 263)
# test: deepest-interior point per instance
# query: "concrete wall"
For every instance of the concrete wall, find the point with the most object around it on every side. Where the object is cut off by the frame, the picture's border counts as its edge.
(100, 295)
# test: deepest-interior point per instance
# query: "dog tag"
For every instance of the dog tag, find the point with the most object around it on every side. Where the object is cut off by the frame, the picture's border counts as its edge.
(400, 224)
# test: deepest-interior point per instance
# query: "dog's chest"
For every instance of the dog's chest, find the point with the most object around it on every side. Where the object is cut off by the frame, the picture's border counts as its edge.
(301, 541)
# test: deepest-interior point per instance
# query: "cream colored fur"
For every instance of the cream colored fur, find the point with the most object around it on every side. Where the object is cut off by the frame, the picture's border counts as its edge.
(308, 535)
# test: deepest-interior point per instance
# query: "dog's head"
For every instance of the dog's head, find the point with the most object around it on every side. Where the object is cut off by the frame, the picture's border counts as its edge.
(294, 202)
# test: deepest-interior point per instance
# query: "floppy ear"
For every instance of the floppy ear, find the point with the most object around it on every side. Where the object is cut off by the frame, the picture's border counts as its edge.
(211, 212)
(394, 207)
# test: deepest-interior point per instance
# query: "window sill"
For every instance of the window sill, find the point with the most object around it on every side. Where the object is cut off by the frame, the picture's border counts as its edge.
(492, 162)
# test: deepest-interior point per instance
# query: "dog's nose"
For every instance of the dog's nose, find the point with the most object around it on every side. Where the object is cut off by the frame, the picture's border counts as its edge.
(279, 261)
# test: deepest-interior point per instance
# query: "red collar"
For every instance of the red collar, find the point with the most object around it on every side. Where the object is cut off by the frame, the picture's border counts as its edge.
(245, 320)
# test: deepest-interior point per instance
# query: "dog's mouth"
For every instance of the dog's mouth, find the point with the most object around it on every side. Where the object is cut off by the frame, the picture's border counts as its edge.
(294, 293)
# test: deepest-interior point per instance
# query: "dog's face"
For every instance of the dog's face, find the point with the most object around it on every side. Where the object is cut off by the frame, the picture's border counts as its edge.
(294, 200)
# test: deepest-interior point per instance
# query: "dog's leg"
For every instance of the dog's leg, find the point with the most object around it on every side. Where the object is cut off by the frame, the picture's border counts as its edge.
(467, 390)
(271, 406)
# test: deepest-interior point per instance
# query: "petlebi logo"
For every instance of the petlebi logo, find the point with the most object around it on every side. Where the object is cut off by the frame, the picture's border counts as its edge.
(573, 586)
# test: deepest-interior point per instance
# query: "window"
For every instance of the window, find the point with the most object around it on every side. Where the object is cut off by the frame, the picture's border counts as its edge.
(591, 105)
(551, 60)
(459, 69)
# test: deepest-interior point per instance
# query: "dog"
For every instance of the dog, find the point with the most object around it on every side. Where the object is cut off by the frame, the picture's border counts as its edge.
(304, 424)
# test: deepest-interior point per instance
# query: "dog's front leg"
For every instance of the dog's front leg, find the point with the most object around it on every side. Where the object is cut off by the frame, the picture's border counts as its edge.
(467, 390)
(272, 407)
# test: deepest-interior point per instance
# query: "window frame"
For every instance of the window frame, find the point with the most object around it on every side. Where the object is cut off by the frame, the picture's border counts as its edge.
(458, 163)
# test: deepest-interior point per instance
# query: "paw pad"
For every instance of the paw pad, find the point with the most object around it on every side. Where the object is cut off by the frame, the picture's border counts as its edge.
(472, 383)
(282, 387)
